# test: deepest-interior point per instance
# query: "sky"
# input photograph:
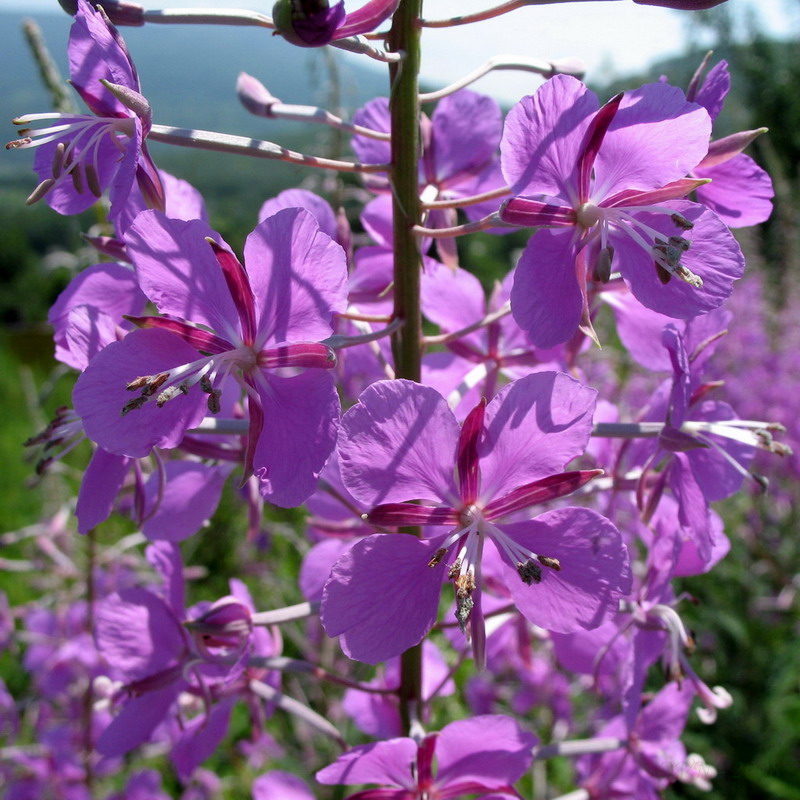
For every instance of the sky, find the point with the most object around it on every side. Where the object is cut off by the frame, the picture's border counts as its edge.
(613, 38)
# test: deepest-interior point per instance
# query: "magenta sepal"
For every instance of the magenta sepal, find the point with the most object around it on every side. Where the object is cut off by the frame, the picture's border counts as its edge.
(676, 190)
(593, 138)
(383, 794)
(468, 463)
(239, 287)
(399, 514)
(201, 340)
(304, 354)
(541, 491)
(472, 788)
(529, 213)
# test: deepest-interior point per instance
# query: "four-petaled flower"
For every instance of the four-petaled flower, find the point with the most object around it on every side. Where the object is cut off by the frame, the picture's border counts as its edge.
(256, 326)
(82, 155)
(610, 181)
(564, 569)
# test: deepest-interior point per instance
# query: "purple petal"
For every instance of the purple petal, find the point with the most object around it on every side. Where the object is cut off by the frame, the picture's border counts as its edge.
(491, 750)
(715, 475)
(639, 328)
(374, 115)
(64, 197)
(386, 763)
(452, 299)
(86, 332)
(111, 288)
(96, 51)
(714, 256)
(542, 138)
(594, 572)
(317, 565)
(382, 597)
(740, 192)
(298, 276)
(301, 198)
(656, 137)
(466, 133)
(177, 270)
(715, 88)
(165, 558)
(135, 724)
(278, 785)
(301, 420)
(99, 488)
(533, 428)
(190, 497)
(100, 395)
(138, 634)
(547, 300)
(399, 443)
(200, 737)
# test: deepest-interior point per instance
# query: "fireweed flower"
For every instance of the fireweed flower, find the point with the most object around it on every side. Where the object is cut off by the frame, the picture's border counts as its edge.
(564, 570)
(740, 192)
(149, 388)
(482, 756)
(80, 155)
(610, 182)
(315, 23)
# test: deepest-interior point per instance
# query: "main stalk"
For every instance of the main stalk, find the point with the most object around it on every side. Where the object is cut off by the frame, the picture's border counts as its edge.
(404, 37)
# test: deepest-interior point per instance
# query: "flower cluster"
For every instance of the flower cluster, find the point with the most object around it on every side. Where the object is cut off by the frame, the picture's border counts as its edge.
(503, 464)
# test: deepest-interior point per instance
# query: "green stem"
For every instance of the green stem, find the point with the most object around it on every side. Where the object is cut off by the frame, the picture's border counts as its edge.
(404, 38)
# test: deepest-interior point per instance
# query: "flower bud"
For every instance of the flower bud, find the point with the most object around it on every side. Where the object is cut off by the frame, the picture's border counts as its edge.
(308, 23)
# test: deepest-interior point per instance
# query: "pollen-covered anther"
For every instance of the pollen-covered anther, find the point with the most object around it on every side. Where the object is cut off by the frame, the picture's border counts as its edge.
(667, 255)
(529, 572)
(132, 405)
(171, 392)
(154, 383)
(455, 568)
(437, 557)
(552, 563)
(681, 221)
(138, 383)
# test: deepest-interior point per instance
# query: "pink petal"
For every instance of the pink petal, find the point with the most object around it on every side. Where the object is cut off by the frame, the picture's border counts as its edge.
(533, 428)
(100, 395)
(99, 488)
(301, 420)
(546, 299)
(190, 497)
(386, 763)
(491, 750)
(594, 572)
(399, 443)
(177, 270)
(542, 138)
(298, 276)
(382, 597)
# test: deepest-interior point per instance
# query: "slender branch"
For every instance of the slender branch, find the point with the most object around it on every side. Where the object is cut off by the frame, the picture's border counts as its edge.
(307, 668)
(361, 46)
(257, 148)
(208, 16)
(287, 614)
(443, 338)
(337, 341)
(489, 13)
(492, 221)
(460, 202)
(520, 63)
(578, 747)
(321, 116)
(223, 427)
(295, 707)
(578, 794)
(628, 430)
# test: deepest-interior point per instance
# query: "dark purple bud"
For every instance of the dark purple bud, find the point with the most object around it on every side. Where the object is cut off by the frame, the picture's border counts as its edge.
(308, 23)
